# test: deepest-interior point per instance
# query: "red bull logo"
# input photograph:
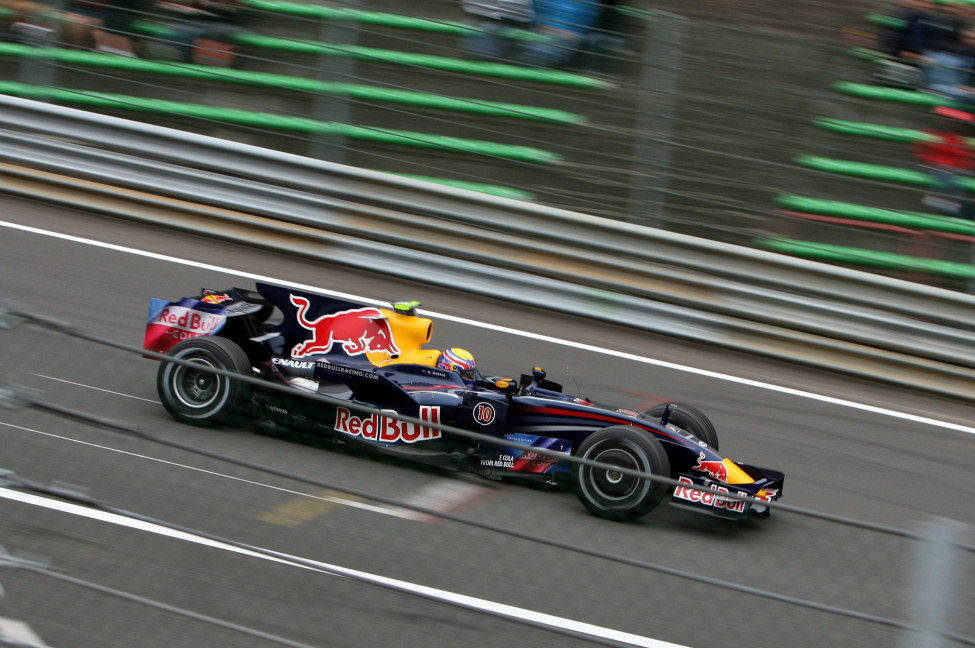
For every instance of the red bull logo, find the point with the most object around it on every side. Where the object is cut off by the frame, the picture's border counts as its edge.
(709, 498)
(215, 298)
(531, 461)
(357, 331)
(768, 494)
(716, 469)
(386, 429)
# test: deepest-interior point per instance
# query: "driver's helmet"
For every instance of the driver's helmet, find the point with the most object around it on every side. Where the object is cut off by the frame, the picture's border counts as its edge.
(460, 361)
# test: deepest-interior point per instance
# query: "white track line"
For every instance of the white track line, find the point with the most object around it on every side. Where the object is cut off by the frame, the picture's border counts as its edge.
(510, 331)
(395, 512)
(470, 602)
(107, 391)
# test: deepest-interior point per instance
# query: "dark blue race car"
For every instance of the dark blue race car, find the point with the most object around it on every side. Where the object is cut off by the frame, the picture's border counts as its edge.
(376, 357)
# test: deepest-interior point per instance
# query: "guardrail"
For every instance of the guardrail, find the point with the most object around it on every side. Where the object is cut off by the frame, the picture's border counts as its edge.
(660, 281)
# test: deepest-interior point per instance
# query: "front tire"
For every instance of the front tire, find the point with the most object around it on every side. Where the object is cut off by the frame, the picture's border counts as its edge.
(199, 397)
(611, 494)
(688, 418)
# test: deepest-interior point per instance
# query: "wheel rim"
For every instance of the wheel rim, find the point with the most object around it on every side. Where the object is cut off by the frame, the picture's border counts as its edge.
(612, 484)
(195, 388)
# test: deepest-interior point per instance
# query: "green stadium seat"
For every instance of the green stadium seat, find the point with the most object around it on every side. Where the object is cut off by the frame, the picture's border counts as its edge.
(284, 123)
(853, 211)
(872, 258)
(351, 90)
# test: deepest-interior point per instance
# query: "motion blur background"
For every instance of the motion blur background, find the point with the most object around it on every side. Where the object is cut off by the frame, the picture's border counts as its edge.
(750, 123)
(753, 123)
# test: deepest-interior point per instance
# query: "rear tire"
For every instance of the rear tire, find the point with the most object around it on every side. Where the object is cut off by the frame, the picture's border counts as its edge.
(200, 397)
(613, 495)
(690, 419)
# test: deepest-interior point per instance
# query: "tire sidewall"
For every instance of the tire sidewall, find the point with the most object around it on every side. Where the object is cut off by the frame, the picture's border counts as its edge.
(171, 380)
(690, 419)
(634, 446)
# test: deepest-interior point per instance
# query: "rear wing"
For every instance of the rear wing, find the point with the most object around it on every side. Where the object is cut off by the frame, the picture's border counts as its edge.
(170, 322)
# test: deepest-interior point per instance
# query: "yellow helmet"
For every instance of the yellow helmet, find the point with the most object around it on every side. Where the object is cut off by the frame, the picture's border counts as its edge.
(460, 361)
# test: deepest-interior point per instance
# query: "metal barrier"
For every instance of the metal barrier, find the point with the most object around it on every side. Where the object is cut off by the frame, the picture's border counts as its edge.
(661, 281)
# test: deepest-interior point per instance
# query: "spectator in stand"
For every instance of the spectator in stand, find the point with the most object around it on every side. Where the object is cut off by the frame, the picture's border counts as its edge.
(956, 83)
(939, 38)
(28, 22)
(117, 35)
(492, 19)
(82, 18)
(926, 24)
(947, 152)
(893, 41)
(104, 25)
(563, 28)
(205, 29)
(563, 25)
(603, 46)
(20, 7)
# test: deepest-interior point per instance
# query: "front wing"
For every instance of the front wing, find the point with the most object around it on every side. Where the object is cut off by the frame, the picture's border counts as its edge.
(714, 501)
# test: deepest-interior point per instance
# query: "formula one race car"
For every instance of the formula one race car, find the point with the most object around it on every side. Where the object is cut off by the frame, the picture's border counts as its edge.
(365, 355)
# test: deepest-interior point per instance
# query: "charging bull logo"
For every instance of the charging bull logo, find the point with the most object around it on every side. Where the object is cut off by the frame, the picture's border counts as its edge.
(716, 469)
(359, 330)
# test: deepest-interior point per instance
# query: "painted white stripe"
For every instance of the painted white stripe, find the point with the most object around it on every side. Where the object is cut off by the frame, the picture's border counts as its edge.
(471, 602)
(107, 391)
(443, 495)
(18, 633)
(395, 512)
(512, 331)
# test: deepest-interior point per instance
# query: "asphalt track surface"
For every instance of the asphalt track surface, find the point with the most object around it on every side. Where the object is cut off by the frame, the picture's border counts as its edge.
(868, 464)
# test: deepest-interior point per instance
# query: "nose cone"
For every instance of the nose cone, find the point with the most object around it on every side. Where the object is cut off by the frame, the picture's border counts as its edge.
(735, 474)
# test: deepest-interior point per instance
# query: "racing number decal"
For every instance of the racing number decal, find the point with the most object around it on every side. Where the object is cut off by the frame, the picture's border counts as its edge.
(484, 413)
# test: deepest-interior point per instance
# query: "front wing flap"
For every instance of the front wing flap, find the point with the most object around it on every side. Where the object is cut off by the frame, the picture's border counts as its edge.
(714, 501)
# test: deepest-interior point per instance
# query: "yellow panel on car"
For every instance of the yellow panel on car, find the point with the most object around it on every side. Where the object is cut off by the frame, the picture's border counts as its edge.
(735, 474)
(409, 333)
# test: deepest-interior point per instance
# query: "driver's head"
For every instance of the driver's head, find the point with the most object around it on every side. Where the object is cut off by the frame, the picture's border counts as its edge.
(460, 361)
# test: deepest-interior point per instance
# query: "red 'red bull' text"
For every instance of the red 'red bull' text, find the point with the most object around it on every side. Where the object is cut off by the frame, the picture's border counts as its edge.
(386, 429)
(189, 320)
(709, 498)
(175, 323)
(531, 461)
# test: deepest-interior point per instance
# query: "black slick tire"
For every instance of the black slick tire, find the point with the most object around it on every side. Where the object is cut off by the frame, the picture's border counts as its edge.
(611, 494)
(689, 419)
(199, 397)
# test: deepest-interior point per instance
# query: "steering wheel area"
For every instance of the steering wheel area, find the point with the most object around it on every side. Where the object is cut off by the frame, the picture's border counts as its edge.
(529, 383)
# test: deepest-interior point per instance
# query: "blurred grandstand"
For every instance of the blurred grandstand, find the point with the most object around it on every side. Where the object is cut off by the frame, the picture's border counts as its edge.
(757, 127)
